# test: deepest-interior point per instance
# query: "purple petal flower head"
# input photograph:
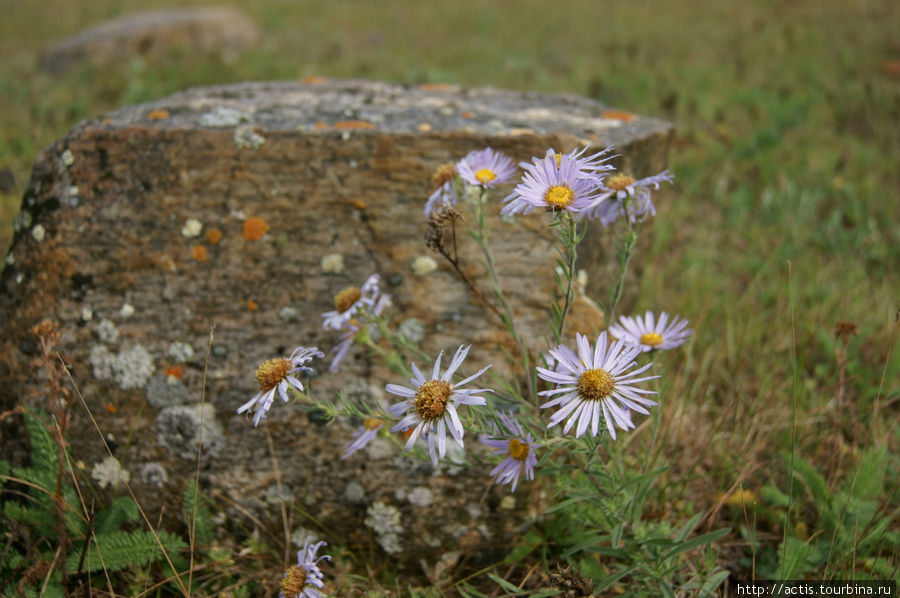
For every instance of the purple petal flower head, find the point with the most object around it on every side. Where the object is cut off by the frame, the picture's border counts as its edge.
(649, 333)
(444, 195)
(351, 302)
(596, 381)
(552, 185)
(276, 375)
(363, 436)
(518, 448)
(590, 167)
(351, 327)
(485, 168)
(617, 188)
(304, 580)
(431, 404)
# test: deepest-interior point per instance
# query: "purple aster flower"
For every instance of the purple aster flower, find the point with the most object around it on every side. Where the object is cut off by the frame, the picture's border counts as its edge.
(648, 333)
(619, 186)
(552, 186)
(431, 405)
(352, 301)
(518, 448)
(277, 374)
(590, 166)
(351, 327)
(595, 381)
(485, 168)
(363, 436)
(304, 580)
(445, 194)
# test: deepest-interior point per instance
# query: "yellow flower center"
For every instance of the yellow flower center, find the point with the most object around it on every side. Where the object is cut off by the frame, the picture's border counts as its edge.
(558, 159)
(370, 423)
(559, 196)
(346, 298)
(432, 398)
(518, 450)
(619, 182)
(485, 175)
(271, 372)
(594, 385)
(294, 580)
(651, 339)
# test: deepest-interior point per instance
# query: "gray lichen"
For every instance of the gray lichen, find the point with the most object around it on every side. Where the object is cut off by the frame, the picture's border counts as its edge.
(153, 474)
(223, 117)
(101, 361)
(420, 496)
(110, 473)
(181, 351)
(180, 431)
(165, 391)
(413, 329)
(354, 493)
(107, 331)
(133, 367)
(384, 520)
(246, 137)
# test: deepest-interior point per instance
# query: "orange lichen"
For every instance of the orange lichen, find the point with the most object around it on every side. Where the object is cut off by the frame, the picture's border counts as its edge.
(198, 252)
(359, 204)
(158, 115)
(434, 86)
(213, 236)
(174, 371)
(423, 128)
(321, 125)
(313, 79)
(618, 115)
(467, 114)
(111, 408)
(252, 305)
(353, 124)
(255, 228)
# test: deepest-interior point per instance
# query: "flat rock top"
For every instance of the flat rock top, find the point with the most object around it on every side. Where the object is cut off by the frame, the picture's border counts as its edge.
(321, 105)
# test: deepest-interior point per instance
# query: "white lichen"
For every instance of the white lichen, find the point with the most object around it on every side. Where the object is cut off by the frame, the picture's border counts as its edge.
(67, 158)
(333, 263)
(110, 473)
(180, 351)
(223, 117)
(246, 137)
(133, 367)
(289, 314)
(107, 331)
(354, 493)
(508, 503)
(126, 311)
(38, 232)
(420, 496)
(10, 259)
(384, 520)
(413, 329)
(153, 474)
(423, 264)
(192, 228)
(181, 432)
(101, 361)
(73, 191)
(87, 314)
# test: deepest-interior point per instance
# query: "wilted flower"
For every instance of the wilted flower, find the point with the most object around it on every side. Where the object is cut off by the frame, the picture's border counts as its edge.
(431, 405)
(596, 381)
(617, 188)
(485, 168)
(366, 313)
(363, 436)
(304, 580)
(278, 374)
(554, 182)
(351, 302)
(649, 333)
(518, 448)
(443, 195)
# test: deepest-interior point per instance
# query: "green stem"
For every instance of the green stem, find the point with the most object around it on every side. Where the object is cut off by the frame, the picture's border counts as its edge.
(627, 252)
(569, 238)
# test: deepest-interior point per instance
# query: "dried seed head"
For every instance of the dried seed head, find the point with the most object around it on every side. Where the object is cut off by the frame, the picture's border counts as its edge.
(443, 174)
(844, 330)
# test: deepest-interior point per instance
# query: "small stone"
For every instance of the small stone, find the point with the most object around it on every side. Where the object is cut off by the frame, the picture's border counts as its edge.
(126, 311)
(333, 263)
(38, 232)
(10, 259)
(354, 493)
(413, 329)
(67, 158)
(395, 280)
(219, 350)
(423, 264)
(87, 314)
(508, 503)
(181, 352)
(289, 314)
(20, 277)
(223, 117)
(191, 228)
(246, 137)
(107, 331)
(73, 191)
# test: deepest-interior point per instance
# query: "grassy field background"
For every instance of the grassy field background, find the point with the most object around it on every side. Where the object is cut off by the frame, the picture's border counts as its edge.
(784, 219)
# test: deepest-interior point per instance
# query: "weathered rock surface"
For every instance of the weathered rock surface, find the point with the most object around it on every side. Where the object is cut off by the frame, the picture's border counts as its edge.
(107, 244)
(221, 31)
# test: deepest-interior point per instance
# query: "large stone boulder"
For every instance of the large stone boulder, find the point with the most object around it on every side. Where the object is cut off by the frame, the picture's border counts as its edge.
(132, 236)
(220, 31)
